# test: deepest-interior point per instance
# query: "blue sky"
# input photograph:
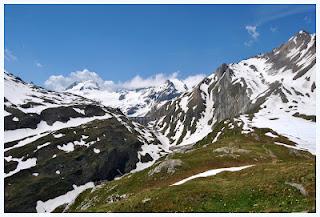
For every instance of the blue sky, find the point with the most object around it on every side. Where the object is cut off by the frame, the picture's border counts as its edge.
(119, 42)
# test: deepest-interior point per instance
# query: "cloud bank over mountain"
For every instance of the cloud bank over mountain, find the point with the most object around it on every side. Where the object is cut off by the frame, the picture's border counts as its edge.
(61, 82)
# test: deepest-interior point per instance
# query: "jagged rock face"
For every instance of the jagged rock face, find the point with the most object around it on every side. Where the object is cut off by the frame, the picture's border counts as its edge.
(295, 54)
(287, 73)
(211, 101)
(56, 140)
(167, 92)
(231, 104)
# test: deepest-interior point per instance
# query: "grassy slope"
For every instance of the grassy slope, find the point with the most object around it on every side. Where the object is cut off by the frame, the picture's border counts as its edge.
(262, 188)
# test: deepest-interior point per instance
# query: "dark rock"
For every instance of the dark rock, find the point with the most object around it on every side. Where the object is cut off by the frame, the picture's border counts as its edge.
(146, 158)
(62, 114)
(93, 110)
(30, 105)
(72, 85)
(313, 87)
(10, 166)
(29, 120)
(122, 97)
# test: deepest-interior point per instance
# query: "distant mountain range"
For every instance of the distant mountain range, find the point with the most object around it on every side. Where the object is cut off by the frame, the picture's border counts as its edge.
(133, 103)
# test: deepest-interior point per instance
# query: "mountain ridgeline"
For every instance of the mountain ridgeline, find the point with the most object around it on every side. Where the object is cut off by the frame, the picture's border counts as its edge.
(239, 88)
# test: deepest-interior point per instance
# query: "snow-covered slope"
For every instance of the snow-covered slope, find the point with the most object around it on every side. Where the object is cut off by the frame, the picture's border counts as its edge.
(279, 82)
(133, 103)
(54, 140)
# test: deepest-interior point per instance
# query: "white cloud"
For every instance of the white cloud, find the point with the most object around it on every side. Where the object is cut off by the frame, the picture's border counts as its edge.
(193, 80)
(252, 30)
(60, 82)
(152, 81)
(272, 13)
(57, 82)
(39, 65)
(8, 55)
(159, 79)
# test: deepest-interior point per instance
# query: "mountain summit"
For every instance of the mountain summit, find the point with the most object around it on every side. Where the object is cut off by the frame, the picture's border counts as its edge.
(83, 86)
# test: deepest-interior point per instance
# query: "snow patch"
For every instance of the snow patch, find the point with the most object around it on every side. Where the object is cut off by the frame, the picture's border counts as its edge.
(25, 141)
(81, 111)
(97, 151)
(211, 173)
(66, 147)
(184, 104)
(58, 135)
(84, 137)
(43, 145)
(298, 130)
(271, 135)
(6, 113)
(291, 146)
(67, 198)
(217, 136)
(22, 164)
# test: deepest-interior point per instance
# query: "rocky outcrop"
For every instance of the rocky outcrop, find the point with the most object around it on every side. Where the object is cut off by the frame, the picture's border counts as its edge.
(18, 119)
(169, 166)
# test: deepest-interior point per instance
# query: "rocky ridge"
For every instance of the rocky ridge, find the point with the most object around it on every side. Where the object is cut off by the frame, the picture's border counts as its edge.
(285, 76)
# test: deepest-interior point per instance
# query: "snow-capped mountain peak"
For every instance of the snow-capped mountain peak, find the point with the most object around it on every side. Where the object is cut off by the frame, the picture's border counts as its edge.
(178, 84)
(83, 86)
